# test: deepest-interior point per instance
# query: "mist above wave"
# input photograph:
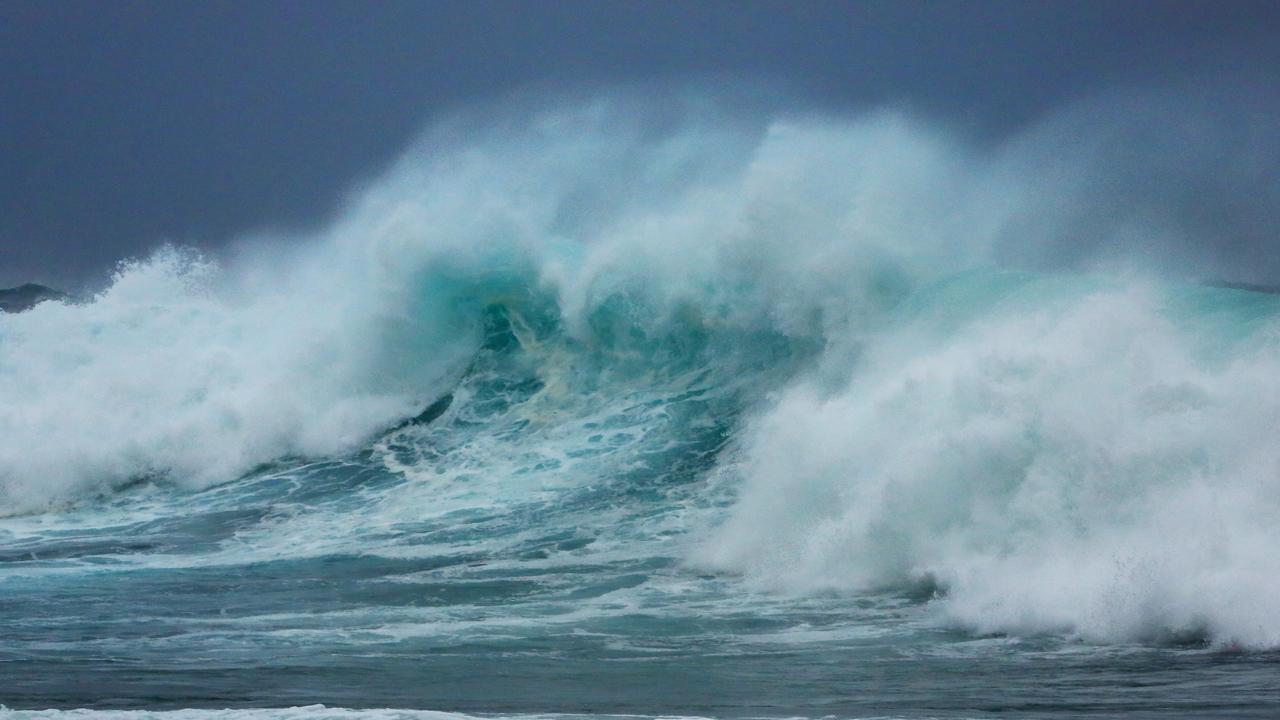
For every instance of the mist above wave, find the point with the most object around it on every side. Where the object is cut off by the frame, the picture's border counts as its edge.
(1054, 455)
(196, 372)
(1058, 454)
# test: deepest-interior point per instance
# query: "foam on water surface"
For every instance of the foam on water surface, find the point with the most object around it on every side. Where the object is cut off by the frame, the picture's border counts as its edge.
(706, 415)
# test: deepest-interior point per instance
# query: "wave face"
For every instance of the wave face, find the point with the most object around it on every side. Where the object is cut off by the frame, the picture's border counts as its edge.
(1060, 456)
(606, 387)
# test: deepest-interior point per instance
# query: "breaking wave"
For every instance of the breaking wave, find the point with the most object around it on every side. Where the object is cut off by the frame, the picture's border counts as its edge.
(917, 360)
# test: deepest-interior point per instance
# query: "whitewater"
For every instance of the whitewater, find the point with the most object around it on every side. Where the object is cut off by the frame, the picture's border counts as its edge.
(620, 407)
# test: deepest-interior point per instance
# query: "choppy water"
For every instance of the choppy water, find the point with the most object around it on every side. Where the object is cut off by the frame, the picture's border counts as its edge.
(597, 419)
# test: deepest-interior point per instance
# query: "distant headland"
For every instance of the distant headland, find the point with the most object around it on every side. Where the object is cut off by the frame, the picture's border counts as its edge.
(25, 297)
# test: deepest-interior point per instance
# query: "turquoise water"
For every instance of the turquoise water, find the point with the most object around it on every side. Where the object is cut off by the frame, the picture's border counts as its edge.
(536, 551)
(711, 442)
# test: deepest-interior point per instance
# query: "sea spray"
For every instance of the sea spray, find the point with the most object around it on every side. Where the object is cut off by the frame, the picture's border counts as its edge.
(1055, 454)
(787, 349)
(194, 373)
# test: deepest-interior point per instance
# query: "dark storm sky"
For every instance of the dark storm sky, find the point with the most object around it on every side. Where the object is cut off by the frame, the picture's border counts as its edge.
(125, 123)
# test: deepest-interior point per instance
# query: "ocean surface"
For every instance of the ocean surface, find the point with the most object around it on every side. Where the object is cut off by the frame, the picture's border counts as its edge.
(594, 416)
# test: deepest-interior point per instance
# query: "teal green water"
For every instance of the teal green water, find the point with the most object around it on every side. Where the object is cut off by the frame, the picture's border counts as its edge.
(594, 522)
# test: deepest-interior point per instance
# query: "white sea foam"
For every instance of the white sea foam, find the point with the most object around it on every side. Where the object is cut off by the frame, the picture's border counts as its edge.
(309, 712)
(163, 374)
(197, 371)
(1080, 461)
(320, 712)
(1082, 465)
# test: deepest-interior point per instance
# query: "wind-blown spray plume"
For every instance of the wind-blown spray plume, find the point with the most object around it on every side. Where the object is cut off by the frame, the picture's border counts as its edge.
(806, 346)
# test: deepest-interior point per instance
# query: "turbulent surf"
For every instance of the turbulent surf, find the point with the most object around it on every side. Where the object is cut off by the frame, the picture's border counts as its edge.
(674, 411)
